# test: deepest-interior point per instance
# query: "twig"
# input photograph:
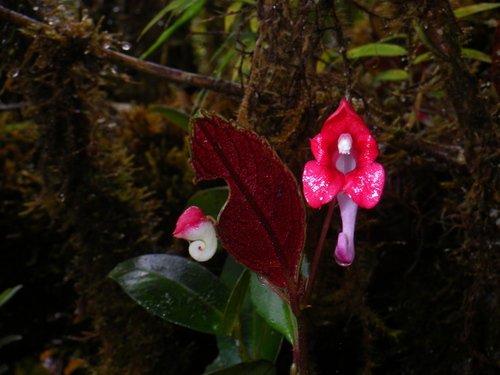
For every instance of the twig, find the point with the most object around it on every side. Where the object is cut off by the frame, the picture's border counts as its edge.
(171, 74)
(174, 75)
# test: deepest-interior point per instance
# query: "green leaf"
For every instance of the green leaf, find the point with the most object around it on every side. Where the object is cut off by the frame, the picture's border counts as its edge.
(210, 201)
(181, 118)
(229, 354)
(8, 294)
(392, 37)
(272, 308)
(472, 9)
(392, 75)
(426, 56)
(156, 18)
(259, 340)
(9, 338)
(231, 272)
(376, 49)
(176, 7)
(476, 55)
(189, 13)
(253, 368)
(176, 289)
(466, 53)
(231, 12)
(235, 303)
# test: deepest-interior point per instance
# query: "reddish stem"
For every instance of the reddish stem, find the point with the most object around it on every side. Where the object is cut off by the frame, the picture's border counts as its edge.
(300, 350)
(317, 253)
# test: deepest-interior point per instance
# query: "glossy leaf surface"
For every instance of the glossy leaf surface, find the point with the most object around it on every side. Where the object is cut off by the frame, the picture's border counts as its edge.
(176, 289)
(262, 224)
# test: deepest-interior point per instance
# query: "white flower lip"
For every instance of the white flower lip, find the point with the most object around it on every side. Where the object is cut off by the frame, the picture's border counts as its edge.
(204, 246)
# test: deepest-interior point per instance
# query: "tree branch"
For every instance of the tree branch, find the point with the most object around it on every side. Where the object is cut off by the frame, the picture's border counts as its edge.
(114, 57)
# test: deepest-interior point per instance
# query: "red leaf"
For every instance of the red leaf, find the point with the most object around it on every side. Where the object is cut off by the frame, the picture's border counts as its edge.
(262, 224)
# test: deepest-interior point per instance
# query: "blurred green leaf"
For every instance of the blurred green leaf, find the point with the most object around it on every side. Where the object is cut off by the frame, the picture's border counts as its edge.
(253, 368)
(181, 118)
(392, 37)
(8, 294)
(376, 49)
(176, 7)
(210, 201)
(466, 52)
(9, 338)
(176, 289)
(190, 11)
(392, 75)
(157, 18)
(272, 308)
(231, 11)
(476, 8)
(476, 55)
(423, 57)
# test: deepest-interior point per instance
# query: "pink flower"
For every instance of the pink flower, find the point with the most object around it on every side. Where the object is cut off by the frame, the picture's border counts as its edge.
(197, 228)
(344, 168)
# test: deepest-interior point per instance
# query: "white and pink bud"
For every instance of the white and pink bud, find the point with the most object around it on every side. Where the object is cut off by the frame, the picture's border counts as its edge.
(199, 230)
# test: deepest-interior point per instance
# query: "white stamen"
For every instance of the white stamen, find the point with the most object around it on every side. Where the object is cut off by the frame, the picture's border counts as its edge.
(345, 143)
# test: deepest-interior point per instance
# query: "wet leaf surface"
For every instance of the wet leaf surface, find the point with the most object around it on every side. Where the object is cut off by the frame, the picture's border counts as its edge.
(176, 289)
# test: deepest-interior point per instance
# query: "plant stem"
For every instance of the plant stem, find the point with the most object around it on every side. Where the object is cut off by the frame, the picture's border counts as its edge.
(300, 350)
(317, 253)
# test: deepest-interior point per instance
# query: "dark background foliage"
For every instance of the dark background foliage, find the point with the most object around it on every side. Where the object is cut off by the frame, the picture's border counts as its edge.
(91, 176)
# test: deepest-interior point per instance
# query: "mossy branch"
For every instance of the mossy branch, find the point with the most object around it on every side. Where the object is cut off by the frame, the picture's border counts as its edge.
(99, 51)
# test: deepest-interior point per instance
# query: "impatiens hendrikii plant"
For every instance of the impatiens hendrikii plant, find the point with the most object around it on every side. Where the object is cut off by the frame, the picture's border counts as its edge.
(265, 285)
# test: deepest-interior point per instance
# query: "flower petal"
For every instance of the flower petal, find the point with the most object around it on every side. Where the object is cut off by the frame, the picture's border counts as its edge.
(344, 251)
(346, 120)
(320, 183)
(365, 185)
(367, 148)
(195, 227)
(322, 147)
(188, 223)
